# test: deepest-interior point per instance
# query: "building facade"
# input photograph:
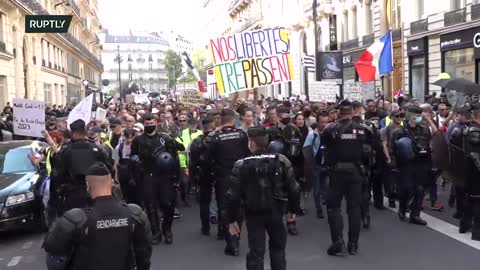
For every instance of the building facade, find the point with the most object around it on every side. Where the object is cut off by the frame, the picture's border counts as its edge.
(141, 60)
(346, 25)
(440, 36)
(49, 67)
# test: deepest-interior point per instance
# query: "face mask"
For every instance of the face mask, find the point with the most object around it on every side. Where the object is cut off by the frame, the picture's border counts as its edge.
(418, 119)
(286, 121)
(150, 129)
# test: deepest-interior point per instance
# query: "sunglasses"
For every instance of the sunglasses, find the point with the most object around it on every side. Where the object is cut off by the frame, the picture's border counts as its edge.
(182, 121)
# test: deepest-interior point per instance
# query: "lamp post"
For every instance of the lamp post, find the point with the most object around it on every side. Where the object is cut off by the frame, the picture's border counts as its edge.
(119, 60)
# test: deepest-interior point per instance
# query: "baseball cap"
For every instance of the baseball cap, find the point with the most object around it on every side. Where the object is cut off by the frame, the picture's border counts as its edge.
(138, 127)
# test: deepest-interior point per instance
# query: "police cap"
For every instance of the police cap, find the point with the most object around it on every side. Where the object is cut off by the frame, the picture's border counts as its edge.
(257, 131)
(95, 130)
(78, 125)
(414, 109)
(98, 169)
(345, 106)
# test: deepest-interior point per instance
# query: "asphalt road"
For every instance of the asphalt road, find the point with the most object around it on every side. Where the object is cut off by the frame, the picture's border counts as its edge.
(389, 244)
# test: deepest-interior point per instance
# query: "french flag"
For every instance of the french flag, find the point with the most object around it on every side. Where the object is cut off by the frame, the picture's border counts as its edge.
(188, 61)
(376, 60)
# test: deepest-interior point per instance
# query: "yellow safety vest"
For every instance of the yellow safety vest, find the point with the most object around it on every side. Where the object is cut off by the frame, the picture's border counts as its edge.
(388, 120)
(186, 139)
(48, 163)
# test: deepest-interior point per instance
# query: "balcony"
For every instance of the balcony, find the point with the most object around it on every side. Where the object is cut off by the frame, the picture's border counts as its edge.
(368, 39)
(349, 44)
(249, 23)
(75, 7)
(475, 12)
(455, 17)
(418, 26)
(36, 9)
(237, 5)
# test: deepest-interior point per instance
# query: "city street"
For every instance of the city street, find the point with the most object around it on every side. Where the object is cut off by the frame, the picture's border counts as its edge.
(389, 244)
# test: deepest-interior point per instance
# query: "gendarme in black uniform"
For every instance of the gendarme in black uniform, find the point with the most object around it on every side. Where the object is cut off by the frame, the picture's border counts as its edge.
(263, 184)
(201, 167)
(225, 147)
(107, 235)
(471, 216)
(159, 188)
(74, 160)
(345, 157)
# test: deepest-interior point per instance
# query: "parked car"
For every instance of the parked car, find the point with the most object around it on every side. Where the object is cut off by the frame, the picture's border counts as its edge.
(20, 181)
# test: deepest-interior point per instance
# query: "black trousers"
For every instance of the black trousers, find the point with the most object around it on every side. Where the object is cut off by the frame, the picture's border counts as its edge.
(366, 196)
(258, 225)
(159, 194)
(126, 179)
(221, 188)
(377, 184)
(414, 176)
(346, 184)
(205, 195)
(471, 215)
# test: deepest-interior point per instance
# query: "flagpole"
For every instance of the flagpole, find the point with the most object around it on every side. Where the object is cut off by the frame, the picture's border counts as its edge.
(314, 15)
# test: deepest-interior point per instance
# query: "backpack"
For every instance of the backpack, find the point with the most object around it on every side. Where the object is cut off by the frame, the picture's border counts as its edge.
(260, 173)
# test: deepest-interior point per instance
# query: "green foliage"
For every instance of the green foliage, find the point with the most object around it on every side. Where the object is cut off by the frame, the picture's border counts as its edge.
(173, 66)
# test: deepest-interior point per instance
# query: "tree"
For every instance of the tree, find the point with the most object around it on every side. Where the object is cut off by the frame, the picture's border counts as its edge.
(173, 66)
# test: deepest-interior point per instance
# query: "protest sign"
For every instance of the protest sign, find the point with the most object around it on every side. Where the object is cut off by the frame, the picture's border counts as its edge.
(368, 90)
(100, 114)
(191, 97)
(130, 99)
(323, 91)
(352, 91)
(28, 117)
(247, 60)
(82, 111)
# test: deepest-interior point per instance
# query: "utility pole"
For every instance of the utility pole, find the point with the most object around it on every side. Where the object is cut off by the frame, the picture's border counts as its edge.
(119, 60)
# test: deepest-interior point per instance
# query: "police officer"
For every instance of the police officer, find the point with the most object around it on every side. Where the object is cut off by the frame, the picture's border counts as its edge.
(73, 161)
(263, 184)
(471, 216)
(201, 171)
(225, 146)
(290, 136)
(411, 148)
(345, 156)
(372, 143)
(159, 187)
(107, 235)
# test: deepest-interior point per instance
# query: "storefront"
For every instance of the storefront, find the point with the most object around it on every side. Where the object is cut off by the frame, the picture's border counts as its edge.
(461, 54)
(417, 52)
(349, 72)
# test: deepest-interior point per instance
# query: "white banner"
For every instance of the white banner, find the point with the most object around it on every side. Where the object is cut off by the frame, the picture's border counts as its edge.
(323, 91)
(100, 114)
(28, 117)
(82, 111)
(352, 91)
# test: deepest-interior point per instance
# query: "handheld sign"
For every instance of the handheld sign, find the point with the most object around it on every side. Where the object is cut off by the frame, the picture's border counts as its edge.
(191, 97)
(28, 117)
(323, 91)
(248, 60)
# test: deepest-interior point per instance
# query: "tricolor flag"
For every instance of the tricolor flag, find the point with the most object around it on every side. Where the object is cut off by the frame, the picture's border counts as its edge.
(201, 86)
(376, 60)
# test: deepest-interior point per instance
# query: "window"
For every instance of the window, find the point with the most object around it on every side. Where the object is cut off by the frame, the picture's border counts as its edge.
(353, 23)
(47, 93)
(396, 14)
(345, 27)
(457, 4)
(420, 9)
(150, 58)
(129, 66)
(2, 17)
(368, 19)
(130, 58)
(418, 77)
(3, 90)
(460, 64)
(130, 76)
(150, 66)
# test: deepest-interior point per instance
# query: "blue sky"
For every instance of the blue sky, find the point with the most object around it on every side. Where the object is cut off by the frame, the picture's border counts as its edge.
(152, 15)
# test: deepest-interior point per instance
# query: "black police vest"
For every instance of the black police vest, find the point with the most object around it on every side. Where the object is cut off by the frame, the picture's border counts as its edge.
(108, 240)
(472, 139)
(229, 145)
(263, 176)
(347, 146)
(80, 156)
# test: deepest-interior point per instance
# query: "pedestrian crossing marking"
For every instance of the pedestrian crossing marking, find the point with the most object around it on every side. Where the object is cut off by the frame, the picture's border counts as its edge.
(14, 261)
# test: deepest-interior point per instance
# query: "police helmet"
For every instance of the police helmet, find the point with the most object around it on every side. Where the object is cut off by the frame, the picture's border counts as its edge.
(276, 147)
(165, 163)
(405, 149)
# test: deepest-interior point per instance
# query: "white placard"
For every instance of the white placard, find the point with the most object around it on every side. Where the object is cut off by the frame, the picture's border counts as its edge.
(323, 91)
(368, 90)
(28, 117)
(82, 111)
(100, 114)
(352, 91)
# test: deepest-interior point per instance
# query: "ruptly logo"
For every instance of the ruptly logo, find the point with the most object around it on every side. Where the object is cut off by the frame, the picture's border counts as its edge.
(47, 23)
(476, 40)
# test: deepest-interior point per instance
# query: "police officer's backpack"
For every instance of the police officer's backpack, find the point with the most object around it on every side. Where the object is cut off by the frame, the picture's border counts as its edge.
(260, 173)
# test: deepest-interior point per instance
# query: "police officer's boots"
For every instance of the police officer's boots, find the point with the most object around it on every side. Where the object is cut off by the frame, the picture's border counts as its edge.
(366, 222)
(167, 233)
(292, 228)
(232, 248)
(337, 249)
(352, 248)
(155, 225)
